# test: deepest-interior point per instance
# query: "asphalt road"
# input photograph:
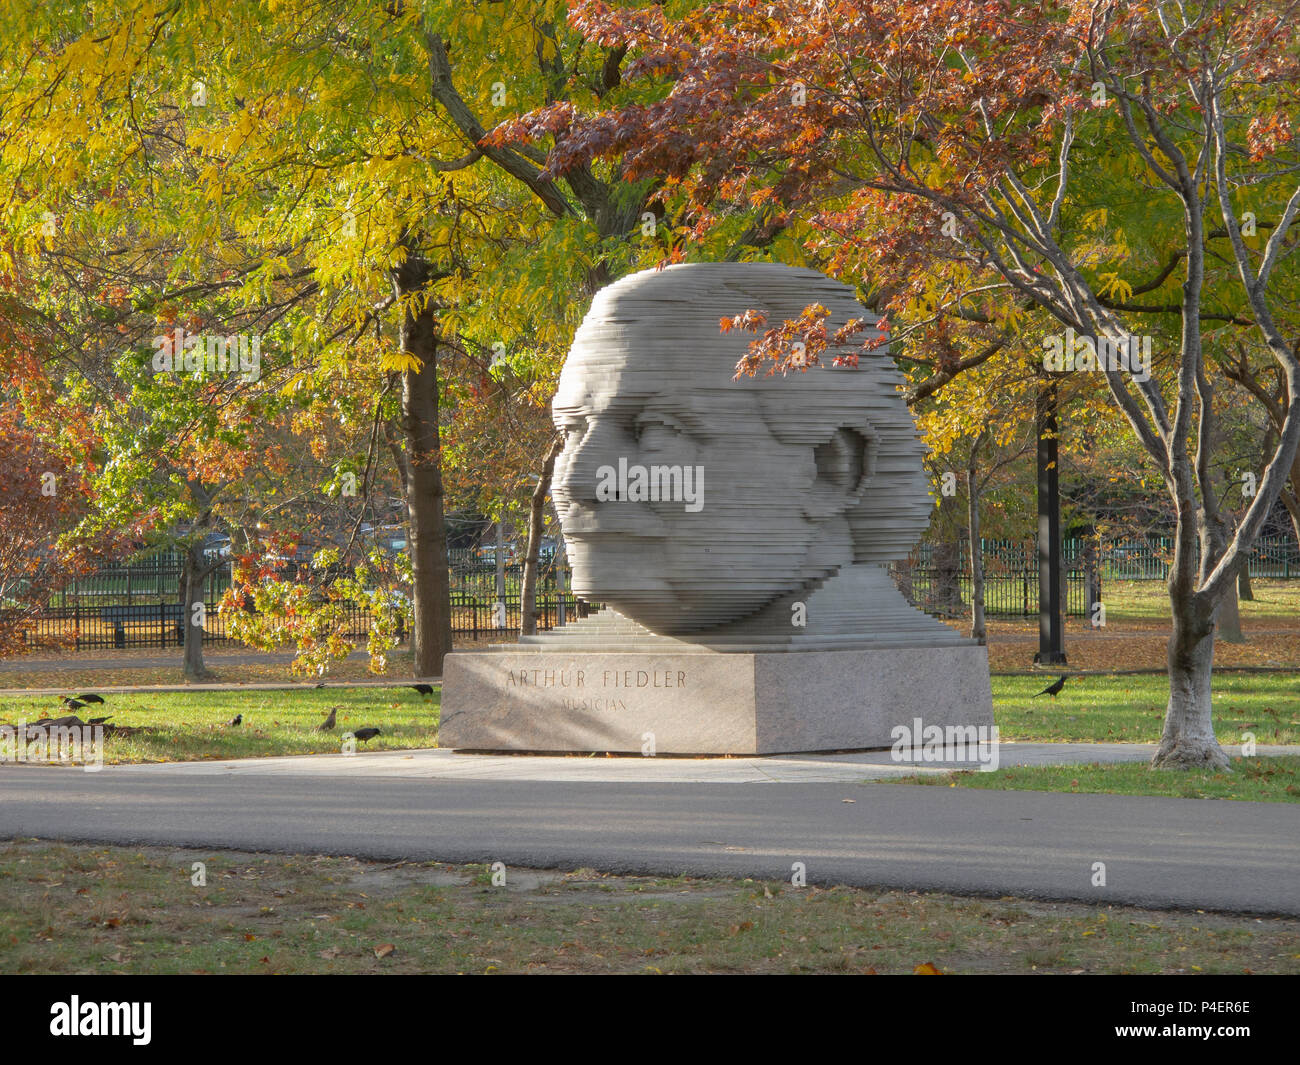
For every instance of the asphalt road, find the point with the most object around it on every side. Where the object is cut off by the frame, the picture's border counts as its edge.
(1206, 854)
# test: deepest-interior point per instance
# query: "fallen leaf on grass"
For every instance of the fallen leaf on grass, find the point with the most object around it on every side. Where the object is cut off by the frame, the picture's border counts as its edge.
(330, 954)
(927, 968)
(384, 949)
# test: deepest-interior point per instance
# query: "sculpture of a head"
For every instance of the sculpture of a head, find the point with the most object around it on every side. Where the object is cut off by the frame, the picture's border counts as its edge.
(690, 500)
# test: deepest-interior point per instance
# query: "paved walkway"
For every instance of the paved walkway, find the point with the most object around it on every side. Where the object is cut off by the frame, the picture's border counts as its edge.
(1185, 853)
(439, 764)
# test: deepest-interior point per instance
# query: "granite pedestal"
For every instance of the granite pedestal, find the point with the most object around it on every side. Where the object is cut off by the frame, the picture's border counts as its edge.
(707, 703)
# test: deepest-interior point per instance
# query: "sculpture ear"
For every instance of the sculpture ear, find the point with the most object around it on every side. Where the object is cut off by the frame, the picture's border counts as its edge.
(844, 463)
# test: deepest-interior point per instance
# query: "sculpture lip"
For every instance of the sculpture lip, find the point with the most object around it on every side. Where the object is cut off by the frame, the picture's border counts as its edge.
(630, 533)
(641, 524)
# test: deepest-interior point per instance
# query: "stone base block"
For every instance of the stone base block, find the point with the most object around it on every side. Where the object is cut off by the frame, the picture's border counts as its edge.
(757, 703)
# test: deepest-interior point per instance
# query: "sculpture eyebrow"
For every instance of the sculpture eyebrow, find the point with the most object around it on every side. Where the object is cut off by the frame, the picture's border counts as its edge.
(583, 402)
(662, 417)
(680, 412)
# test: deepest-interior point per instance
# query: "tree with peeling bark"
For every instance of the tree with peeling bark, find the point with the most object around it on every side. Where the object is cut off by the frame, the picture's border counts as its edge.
(980, 127)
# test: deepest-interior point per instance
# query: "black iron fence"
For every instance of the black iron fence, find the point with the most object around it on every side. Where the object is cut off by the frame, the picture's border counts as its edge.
(136, 605)
(160, 623)
(936, 578)
(1271, 557)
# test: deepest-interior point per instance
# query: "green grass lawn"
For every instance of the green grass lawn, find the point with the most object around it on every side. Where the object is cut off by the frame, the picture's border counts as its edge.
(191, 725)
(1252, 780)
(181, 726)
(1149, 600)
(1131, 709)
(95, 909)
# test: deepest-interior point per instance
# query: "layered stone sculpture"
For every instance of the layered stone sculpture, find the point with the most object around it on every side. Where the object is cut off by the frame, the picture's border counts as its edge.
(713, 515)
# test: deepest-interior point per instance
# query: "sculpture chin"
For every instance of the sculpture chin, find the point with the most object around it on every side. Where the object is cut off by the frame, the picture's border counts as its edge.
(684, 616)
(622, 578)
(676, 607)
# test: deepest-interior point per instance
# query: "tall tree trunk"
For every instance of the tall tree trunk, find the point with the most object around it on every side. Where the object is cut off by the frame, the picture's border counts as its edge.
(1290, 492)
(1228, 614)
(561, 583)
(1230, 618)
(945, 558)
(1244, 590)
(536, 514)
(194, 569)
(499, 602)
(978, 630)
(1291, 500)
(192, 585)
(1188, 740)
(431, 585)
(1091, 572)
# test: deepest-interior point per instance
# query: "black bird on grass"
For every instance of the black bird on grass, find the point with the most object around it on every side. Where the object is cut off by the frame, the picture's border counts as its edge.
(71, 703)
(363, 734)
(99, 720)
(91, 698)
(235, 721)
(328, 723)
(1054, 688)
(55, 722)
(423, 689)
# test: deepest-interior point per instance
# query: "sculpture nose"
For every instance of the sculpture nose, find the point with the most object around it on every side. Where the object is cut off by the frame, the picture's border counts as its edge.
(600, 443)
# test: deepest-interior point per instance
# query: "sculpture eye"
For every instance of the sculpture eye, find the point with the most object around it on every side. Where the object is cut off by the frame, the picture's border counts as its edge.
(654, 434)
(573, 430)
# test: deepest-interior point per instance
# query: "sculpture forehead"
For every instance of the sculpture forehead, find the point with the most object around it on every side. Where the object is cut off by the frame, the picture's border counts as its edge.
(654, 338)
